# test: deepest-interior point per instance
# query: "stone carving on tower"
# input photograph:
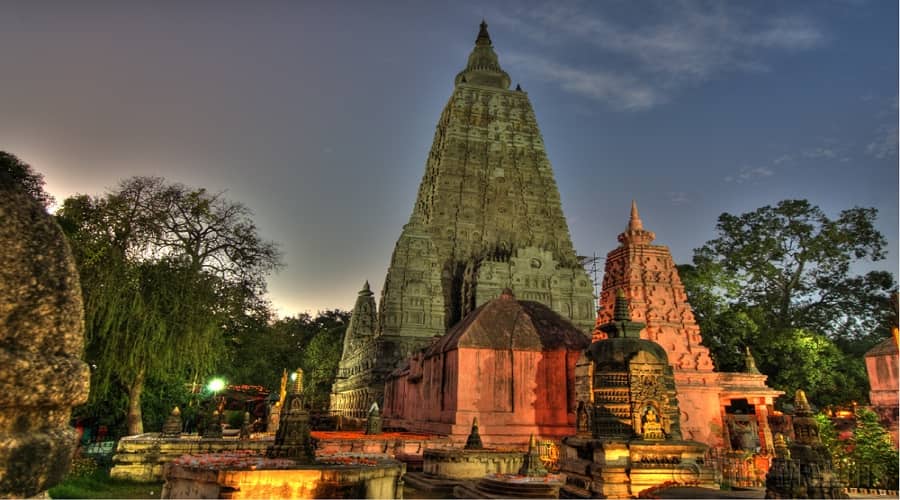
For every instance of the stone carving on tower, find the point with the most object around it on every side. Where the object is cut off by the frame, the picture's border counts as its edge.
(487, 216)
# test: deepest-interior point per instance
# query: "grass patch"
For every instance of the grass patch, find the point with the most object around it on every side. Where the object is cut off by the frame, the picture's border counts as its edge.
(98, 484)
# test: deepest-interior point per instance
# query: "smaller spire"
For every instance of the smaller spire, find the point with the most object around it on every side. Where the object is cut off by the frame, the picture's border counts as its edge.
(531, 462)
(621, 313)
(750, 363)
(634, 223)
(781, 447)
(801, 404)
(473, 442)
(297, 382)
(366, 289)
(518, 88)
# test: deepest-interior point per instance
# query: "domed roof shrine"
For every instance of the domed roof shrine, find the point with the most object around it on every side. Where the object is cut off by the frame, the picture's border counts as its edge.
(510, 364)
(487, 216)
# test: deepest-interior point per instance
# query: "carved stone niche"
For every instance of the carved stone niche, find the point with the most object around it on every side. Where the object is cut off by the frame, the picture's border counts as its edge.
(41, 341)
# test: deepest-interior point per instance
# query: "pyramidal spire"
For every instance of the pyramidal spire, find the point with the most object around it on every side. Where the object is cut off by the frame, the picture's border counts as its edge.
(483, 67)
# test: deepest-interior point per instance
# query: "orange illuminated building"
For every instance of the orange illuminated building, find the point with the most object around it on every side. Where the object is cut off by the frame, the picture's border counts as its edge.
(882, 368)
(723, 410)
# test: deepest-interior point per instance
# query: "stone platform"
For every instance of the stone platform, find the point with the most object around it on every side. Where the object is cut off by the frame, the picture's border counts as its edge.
(511, 486)
(335, 477)
(470, 464)
(142, 457)
(406, 447)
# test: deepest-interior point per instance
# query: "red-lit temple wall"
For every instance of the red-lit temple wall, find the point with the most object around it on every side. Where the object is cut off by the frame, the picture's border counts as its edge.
(514, 393)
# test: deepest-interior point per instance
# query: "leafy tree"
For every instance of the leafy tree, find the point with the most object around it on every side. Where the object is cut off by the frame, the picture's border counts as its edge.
(166, 270)
(794, 262)
(313, 344)
(19, 175)
(871, 448)
(321, 358)
(778, 280)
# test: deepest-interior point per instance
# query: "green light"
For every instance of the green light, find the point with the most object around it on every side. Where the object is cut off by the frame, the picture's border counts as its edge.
(216, 385)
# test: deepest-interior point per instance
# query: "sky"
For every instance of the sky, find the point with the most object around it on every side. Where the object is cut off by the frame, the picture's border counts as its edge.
(319, 116)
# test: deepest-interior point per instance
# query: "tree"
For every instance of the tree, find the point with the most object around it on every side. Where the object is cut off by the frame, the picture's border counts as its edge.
(794, 262)
(778, 280)
(19, 175)
(166, 270)
(322, 355)
(872, 449)
(301, 341)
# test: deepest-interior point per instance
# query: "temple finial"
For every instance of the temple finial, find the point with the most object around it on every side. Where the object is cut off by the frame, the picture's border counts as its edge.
(483, 37)
(483, 67)
(634, 223)
(635, 234)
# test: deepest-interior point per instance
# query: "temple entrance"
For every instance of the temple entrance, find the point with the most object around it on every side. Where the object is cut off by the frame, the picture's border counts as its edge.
(742, 426)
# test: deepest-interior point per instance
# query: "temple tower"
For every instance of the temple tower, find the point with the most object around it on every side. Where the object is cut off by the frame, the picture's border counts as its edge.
(487, 216)
(728, 410)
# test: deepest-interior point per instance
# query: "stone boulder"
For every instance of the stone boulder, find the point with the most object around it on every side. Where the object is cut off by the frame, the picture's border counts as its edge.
(42, 375)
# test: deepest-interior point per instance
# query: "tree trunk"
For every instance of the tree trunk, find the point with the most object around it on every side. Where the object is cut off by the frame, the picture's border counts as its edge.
(134, 419)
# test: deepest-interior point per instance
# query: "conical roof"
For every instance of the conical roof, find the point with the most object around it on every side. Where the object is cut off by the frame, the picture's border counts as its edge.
(483, 67)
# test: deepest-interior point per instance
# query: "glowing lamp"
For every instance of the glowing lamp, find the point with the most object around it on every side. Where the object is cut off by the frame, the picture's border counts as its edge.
(216, 385)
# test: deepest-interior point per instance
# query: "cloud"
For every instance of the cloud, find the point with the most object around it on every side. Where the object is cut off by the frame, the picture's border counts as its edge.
(820, 153)
(675, 45)
(678, 197)
(782, 159)
(884, 145)
(789, 33)
(620, 91)
(750, 173)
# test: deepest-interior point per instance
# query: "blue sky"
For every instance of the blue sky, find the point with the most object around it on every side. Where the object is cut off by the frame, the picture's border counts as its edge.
(319, 115)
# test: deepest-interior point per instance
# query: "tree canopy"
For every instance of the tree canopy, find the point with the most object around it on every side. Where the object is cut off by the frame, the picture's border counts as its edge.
(314, 344)
(779, 280)
(166, 272)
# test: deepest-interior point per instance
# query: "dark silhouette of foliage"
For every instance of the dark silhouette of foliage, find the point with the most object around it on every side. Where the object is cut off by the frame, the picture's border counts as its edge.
(16, 174)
